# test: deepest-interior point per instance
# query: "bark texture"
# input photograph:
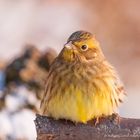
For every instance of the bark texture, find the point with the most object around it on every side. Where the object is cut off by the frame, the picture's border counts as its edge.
(109, 128)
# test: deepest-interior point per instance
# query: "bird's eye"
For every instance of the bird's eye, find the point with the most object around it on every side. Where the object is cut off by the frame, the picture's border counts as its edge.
(84, 47)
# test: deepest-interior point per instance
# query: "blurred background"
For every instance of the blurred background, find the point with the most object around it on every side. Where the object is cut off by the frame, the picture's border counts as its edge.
(32, 33)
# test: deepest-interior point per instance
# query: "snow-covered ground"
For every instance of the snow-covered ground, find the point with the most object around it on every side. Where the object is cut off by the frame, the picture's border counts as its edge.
(16, 121)
(19, 125)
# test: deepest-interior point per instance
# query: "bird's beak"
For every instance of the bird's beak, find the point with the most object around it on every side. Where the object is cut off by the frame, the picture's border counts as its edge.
(69, 46)
(69, 51)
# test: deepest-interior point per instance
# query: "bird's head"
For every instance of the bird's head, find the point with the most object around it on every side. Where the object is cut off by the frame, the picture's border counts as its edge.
(81, 46)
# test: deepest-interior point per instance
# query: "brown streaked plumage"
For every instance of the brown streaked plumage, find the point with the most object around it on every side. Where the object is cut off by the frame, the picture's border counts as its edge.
(81, 84)
(80, 35)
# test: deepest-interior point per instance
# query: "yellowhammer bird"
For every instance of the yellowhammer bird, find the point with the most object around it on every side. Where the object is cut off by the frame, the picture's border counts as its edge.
(81, 84)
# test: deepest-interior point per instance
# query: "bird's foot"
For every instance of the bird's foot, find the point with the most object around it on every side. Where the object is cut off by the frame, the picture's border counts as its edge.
(115, 118)
(97, 120)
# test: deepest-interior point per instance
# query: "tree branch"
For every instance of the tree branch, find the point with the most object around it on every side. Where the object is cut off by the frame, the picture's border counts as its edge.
(107, 129)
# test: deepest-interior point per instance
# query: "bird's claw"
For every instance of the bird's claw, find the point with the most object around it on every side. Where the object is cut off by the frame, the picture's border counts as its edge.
(115, 118)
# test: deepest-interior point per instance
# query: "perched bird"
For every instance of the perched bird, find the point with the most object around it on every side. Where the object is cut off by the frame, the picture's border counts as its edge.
(81, 84)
